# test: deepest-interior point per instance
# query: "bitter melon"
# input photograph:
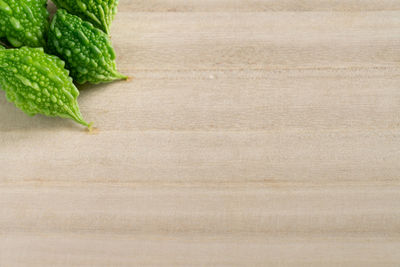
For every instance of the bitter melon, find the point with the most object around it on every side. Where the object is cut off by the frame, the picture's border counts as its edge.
(87, 51)
(100, 12)
(24, 22)
(38, 83)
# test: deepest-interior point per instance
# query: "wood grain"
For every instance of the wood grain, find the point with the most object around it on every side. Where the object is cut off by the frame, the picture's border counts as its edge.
(259, 5)
(253, 133)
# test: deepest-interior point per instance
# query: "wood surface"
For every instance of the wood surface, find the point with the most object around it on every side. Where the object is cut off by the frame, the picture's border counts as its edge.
(253, 133)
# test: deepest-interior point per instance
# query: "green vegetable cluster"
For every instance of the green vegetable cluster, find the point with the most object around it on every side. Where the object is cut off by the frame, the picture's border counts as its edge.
(86, 50)
(42, 62)
(38, 83)
(24, 22)
(99, 12)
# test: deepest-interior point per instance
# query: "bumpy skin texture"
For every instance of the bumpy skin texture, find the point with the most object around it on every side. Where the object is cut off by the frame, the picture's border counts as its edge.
(99, 12)
(87, 51)
(38, 83)
(24, 22)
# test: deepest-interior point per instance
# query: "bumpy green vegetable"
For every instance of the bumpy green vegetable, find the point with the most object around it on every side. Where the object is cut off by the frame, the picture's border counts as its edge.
(38, 83)
(86, 50)
(24, 22)
(100, 12)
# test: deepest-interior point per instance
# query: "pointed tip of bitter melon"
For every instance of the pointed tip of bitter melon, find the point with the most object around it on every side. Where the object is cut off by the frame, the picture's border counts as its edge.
(123, 77)
(81, 121)
(119, 76)
(76, 115)
(90, 127)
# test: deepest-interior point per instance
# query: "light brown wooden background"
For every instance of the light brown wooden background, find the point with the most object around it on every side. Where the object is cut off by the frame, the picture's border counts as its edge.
(254, 133)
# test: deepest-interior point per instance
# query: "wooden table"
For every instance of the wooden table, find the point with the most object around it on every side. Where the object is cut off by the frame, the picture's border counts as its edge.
(254, 133)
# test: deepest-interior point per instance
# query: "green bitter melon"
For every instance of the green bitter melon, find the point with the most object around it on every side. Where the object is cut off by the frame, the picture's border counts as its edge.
(38, 83)
(87, 51)
(100, 12)
(24, 22)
